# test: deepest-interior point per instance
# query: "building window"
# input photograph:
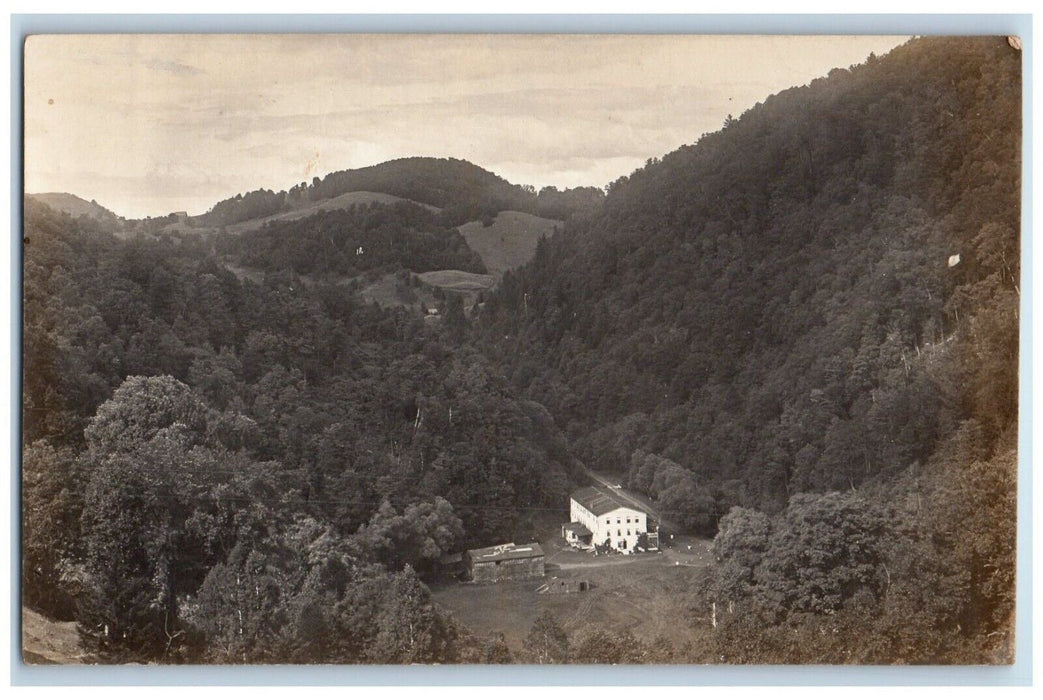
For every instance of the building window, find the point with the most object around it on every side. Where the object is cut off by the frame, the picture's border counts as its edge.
(628, 521)
(619, 532)
(628, 530)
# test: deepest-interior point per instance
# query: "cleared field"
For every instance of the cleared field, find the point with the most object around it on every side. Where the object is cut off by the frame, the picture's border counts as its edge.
(466, 284)
(510, 241)
(457, 280)
(45, 641)
(649, 595)
(390, 290)
(344, 201)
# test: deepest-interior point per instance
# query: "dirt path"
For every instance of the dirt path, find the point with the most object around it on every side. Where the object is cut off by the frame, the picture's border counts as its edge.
(600, 562)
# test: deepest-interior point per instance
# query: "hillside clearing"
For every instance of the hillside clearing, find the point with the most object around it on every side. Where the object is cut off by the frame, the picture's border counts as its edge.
(344, 201)
(510, 241)
(457, 281)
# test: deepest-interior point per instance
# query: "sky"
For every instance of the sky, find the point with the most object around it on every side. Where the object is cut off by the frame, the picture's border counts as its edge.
(150, 124)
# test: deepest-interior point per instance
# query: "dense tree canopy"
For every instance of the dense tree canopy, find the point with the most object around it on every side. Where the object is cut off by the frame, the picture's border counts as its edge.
(364, 238)
(774, 304)
(183, 425)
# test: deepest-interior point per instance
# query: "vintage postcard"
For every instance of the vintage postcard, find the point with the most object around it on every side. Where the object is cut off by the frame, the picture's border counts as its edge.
(520, 349)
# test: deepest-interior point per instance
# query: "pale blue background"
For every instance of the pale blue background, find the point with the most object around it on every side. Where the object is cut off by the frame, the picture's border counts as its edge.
(1018, 674)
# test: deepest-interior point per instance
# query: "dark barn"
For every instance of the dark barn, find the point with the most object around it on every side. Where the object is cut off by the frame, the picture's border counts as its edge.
(505, 562)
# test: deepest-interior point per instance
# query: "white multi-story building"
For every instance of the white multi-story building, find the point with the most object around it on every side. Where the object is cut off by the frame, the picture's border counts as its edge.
(600, 518)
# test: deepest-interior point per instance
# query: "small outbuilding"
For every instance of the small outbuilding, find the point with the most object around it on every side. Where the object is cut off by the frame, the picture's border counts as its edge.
(505, 562)
(564, 585)
(577, 535)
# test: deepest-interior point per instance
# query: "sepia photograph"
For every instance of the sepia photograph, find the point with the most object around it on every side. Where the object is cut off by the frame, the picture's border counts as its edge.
(518, 349)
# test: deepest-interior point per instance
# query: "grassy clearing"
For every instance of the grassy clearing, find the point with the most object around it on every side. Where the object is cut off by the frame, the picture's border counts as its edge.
(649, 595)
(509, 242)
(468, 285)
(457, 281)
(344, 201)
(390, 290)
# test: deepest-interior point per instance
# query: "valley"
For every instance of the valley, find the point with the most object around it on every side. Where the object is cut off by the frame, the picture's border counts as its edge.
(262, 433)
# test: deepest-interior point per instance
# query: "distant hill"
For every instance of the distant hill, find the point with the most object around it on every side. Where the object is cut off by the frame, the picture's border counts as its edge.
(76, 206)
(509, 241)
(500, 221)
(463, 190)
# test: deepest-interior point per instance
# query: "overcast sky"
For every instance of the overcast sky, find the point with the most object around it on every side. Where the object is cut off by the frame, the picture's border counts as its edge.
(147, 125)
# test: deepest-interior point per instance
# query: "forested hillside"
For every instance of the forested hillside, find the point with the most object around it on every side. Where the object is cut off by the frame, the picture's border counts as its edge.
(822, 296)
(221, 470)
(363, 238)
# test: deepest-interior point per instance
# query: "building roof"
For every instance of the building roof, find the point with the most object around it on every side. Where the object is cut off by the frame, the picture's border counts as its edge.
(503, 552)
(578, 529)
(600, 501)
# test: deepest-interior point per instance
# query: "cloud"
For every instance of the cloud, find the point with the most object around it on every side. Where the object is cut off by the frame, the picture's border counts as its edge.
(142, 119)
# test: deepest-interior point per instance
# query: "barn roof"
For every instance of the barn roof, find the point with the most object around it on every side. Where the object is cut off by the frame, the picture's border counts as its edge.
(599, 501)
(503, 552)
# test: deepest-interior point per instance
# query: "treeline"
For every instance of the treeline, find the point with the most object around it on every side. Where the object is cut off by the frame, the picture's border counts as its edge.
(362, 238)
(223, 470)
(822, 296)
(463, 191)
